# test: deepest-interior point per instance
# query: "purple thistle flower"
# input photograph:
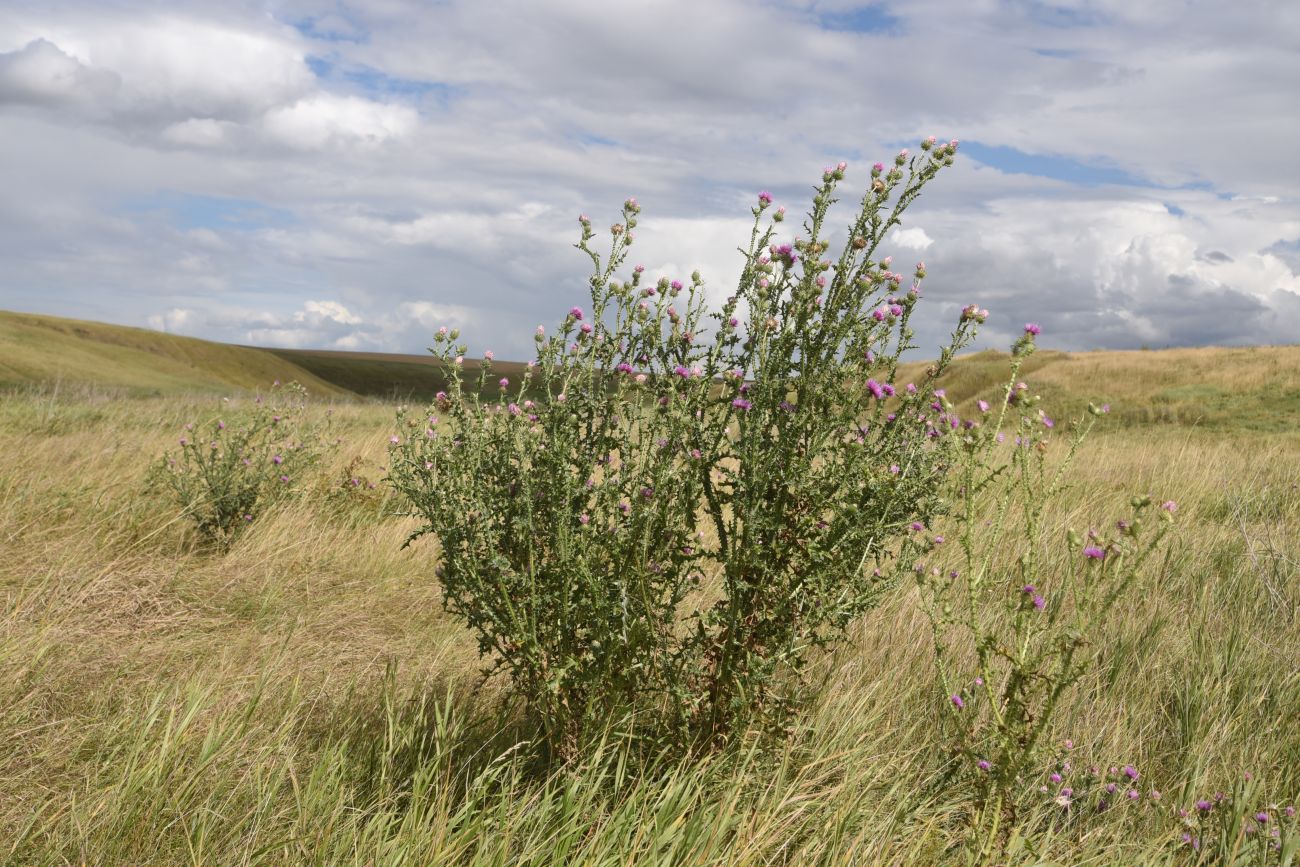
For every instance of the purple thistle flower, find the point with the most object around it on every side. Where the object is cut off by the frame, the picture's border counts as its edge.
(1092, 552)
(876, 390)
(741, 404)
(575, 312)
(1039, 602)
(765, 198)
(1033, 329)
(1261, 817)
(1204, 806)
(1131, 772)
(504, 383)
(983, 764)
(957, 702)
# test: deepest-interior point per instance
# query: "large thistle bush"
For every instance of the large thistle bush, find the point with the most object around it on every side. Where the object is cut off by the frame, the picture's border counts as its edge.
(699, 498)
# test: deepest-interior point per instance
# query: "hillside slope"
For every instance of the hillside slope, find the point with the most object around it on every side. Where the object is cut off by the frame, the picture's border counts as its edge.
(49, 349)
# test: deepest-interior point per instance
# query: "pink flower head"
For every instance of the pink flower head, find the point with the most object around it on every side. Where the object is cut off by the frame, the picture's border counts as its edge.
(277, 460)
(488, 355)
(1092, 552)
(983, 405)
(764, 198)
(1169, 506)
(1033, 329)
(956, 701)
(504, 383)
(575, 312)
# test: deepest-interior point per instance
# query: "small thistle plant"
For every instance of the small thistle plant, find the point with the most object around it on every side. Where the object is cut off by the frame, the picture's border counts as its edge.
(227, 469)
(1010, 642)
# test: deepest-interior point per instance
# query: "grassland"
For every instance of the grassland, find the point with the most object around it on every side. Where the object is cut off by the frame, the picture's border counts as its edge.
(303, 699)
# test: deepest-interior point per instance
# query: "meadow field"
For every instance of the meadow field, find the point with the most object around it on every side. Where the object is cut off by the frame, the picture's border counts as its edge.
(303, 698)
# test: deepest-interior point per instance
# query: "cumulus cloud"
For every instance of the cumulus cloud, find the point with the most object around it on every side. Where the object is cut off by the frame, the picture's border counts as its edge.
(322, 120)
(355, 176)
(42, 73)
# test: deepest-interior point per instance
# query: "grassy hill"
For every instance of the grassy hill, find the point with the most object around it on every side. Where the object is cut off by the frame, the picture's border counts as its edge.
(1251, 388)
(43, 350)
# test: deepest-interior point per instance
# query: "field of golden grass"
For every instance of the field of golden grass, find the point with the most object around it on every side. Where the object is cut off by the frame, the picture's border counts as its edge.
(302, 698)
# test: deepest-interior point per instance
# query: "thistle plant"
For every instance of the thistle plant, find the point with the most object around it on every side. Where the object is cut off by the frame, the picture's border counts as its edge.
(228, 468)
(1011, 640)
(699, 498)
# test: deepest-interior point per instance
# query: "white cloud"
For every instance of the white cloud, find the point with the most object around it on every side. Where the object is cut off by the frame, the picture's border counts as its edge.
(911, 239)
(198, 132)
(319, 121)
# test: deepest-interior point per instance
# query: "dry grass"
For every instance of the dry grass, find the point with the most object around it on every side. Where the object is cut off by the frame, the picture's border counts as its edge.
(304, 699)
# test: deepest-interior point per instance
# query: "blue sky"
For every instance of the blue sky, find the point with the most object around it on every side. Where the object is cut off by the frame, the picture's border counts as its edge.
(355, 174)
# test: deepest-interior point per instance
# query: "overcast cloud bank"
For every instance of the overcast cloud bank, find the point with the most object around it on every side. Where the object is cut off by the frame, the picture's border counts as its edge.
(354, 175)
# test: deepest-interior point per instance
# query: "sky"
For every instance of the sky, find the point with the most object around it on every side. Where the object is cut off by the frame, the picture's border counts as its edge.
(353, 175)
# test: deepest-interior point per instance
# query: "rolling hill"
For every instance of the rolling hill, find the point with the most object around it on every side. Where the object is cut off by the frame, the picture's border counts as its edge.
(1251, 388)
